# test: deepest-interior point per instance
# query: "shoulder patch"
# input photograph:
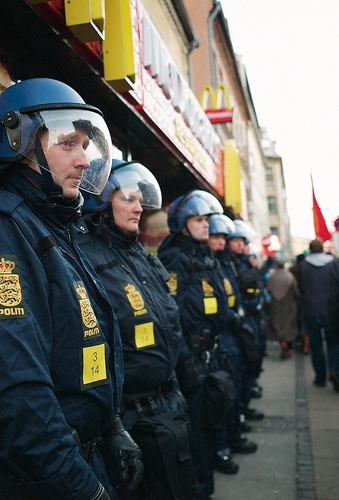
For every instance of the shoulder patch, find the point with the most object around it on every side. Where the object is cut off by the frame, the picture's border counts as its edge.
(11, 298)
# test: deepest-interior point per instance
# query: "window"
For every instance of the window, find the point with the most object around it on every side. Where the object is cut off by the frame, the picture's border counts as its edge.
(272, 205)
(269, 175)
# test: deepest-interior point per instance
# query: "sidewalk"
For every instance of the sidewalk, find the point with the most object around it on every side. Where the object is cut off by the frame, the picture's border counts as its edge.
(298, 440)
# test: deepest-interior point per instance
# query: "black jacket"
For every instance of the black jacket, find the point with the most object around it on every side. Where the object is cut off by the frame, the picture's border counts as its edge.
(148, 316)
(197, 285)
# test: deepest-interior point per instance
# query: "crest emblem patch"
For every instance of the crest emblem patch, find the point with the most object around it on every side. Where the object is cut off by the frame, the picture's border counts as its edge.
(11, 299)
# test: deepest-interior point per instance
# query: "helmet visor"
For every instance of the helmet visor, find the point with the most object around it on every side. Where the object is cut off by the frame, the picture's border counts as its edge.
(133, 178)
(76, 144)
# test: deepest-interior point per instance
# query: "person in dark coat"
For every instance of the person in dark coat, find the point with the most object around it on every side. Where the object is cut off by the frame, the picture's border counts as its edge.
(231, 439)
(148, 316)
(333, 317)
(249, 284)
(61, 368)
(197, 286)
(314, 286)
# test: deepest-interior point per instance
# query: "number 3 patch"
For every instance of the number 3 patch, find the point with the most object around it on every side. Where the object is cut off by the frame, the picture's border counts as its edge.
(93, 366)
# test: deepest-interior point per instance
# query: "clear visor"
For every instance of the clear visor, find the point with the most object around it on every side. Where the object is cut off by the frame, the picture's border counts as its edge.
(134, 180)
(76, 144)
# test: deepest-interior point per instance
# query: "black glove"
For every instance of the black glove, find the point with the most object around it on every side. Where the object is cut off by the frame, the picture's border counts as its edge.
(188, 376)
(101, 494)
(248, 329)
(236, 322)
(126, 468)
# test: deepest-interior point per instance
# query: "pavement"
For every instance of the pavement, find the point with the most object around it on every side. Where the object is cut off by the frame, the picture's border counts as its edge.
(298, 440)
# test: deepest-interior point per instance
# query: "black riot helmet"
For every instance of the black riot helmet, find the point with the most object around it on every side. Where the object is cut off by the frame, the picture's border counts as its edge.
(41, 105)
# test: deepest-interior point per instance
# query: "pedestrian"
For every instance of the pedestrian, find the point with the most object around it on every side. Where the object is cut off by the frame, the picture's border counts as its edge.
(61, 367)
(314, 287)
(333, 317)
(198, 289)
(302, 339)
(153, 346)
(282, 318)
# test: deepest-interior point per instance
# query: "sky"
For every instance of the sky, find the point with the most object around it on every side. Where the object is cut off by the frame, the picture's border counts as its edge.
(290, 49)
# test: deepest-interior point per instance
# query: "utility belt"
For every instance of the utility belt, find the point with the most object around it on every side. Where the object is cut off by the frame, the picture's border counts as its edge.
(138, 400)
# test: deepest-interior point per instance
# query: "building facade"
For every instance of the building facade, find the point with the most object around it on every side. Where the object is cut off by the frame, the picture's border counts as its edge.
(153, 67)
(279, 237)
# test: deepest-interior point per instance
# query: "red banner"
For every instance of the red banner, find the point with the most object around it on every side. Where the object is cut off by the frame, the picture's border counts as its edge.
(320, 227)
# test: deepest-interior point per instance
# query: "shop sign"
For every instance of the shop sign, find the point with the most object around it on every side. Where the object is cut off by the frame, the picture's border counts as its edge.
(271, 244)
(163, 97)
(85, 19)
(216, 103)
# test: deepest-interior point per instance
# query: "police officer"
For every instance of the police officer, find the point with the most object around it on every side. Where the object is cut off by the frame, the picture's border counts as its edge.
(230, 440)
(149, 322)
(197, 286)
(61, 358)
(251, 299)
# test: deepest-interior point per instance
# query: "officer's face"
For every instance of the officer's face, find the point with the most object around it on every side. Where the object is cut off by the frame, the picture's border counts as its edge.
(127, 210)
(217, 242)
(67, 160)
(198, 227)
(236, 245)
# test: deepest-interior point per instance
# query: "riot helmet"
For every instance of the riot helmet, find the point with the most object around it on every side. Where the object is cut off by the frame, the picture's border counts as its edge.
(220, 224)
(40, 106)
(129, 177)
(241, 230)
(193, 203)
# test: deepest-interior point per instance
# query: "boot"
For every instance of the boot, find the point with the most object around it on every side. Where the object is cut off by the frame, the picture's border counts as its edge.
(224, 462)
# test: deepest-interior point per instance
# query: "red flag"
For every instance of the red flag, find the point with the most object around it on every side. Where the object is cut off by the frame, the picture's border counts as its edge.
(320, 227)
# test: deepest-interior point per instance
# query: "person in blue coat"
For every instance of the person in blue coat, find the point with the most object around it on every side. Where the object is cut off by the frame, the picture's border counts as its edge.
(230, 440)
(251, 299)
(198, 288)
(61, 366)
(153, 345)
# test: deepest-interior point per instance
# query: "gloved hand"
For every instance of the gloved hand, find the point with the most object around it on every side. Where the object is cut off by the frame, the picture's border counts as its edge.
(127, 468)
(236, 322)
(188, 376)
(101, 494)
(247, 329)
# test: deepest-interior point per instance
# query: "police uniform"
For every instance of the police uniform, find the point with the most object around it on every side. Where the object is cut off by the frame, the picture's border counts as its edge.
(147, 315)
(197, 287)
(232, 437)
(151, 335)
(251, 299)
(61, 358)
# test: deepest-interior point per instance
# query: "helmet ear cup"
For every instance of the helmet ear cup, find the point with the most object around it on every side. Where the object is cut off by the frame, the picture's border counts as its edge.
(12, 122)
(175, 223)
